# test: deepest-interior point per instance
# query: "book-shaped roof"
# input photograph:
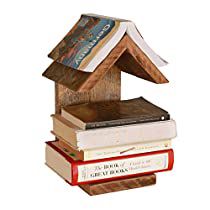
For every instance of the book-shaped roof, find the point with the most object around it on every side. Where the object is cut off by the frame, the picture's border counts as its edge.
(94, 45)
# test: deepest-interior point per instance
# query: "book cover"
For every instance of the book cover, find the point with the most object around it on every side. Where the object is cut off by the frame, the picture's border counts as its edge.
(112, 136)
(114, 151)
(80, 172)
(83, 41)
(93, 37)
(113, 113)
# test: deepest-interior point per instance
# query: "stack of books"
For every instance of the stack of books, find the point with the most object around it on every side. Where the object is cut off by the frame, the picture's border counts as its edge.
(110, 140)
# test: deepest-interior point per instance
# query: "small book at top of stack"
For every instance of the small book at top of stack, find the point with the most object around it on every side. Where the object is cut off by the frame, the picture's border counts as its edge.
(114, 139)
(115, 113)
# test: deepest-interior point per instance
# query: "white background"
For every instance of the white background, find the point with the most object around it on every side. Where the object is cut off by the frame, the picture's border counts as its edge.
(177, 30)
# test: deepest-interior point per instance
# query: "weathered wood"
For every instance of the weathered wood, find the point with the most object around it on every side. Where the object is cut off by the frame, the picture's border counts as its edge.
(130, 65)
(107, 90)
(126, 55)
(66, 76)
(140, 65)
(104, 67)
(119, 185)
(144, 63)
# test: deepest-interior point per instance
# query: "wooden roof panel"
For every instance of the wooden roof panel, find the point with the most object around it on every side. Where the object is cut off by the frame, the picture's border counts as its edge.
(66, 76)
(127, 56)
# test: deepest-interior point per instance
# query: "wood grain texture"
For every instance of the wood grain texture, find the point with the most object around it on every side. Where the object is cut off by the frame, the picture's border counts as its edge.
(119, 185)
(137, 63)
(66, 76)
(126, 55)
(130, 65)
(143, 63)
(107, 90)
(104, 66)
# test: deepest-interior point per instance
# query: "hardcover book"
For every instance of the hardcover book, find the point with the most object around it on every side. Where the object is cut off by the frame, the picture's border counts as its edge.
(112, 136)
(92, 39)
(79, 172)
(114, 151)
(113, 113)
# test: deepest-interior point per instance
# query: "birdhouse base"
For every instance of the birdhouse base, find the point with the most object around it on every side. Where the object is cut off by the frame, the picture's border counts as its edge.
(119, 185)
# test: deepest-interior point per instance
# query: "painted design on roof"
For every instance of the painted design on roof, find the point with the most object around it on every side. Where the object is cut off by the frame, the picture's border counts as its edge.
(85, 39)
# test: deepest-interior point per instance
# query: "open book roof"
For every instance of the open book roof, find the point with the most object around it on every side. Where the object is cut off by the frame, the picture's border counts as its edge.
(94, 45)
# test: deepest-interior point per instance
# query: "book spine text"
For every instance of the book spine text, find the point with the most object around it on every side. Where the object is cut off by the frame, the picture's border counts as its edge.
(124, 167)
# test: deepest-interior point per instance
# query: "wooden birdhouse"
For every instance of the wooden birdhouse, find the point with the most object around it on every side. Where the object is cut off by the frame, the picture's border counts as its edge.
(87, 68)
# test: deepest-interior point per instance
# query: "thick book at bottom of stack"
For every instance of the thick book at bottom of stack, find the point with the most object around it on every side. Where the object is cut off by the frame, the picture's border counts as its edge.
(81, 172)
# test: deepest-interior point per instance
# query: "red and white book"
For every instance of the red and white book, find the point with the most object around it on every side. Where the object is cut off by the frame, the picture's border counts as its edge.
(80, 172)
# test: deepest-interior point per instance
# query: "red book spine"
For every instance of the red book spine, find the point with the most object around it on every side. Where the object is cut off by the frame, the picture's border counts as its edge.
(75, 164)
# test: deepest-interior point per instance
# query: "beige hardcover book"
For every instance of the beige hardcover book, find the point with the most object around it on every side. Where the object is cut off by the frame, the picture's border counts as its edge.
(113, 136)
(108, 152)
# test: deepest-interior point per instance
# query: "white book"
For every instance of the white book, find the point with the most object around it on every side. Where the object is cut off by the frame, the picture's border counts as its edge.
(113, 136)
